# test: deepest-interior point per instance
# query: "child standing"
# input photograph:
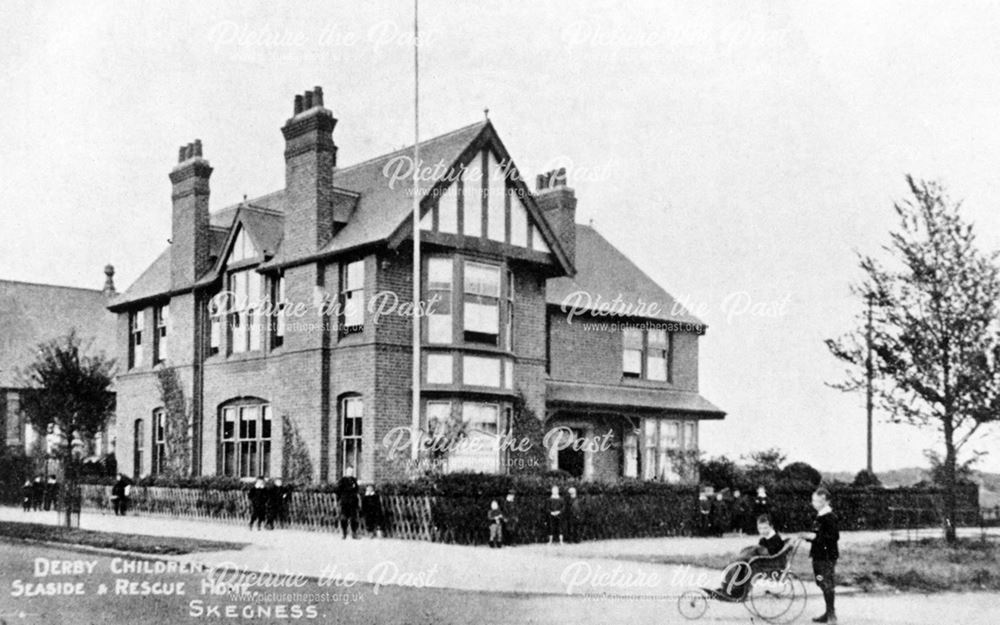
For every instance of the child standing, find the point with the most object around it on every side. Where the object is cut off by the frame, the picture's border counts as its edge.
(556, 507)
(824, 551)
(495, 516)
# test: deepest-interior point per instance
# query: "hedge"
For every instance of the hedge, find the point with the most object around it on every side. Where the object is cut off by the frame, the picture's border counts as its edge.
(452, 508)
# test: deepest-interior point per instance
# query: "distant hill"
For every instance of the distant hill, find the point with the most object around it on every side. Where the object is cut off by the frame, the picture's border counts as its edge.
(989, 492)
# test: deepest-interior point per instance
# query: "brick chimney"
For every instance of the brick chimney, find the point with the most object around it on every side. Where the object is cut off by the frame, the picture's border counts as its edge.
(310, 156)
(558, 204)
(189, 241)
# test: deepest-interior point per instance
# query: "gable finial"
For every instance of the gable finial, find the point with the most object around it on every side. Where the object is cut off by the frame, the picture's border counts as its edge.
(486, 112)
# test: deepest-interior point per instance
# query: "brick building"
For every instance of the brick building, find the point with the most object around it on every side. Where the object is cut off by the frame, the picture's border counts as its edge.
(286, 318)
(31, 314)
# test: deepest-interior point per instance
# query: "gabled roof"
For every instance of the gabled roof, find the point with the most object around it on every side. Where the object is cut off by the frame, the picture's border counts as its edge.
(603, 271)
(378, 210)
(35, 313)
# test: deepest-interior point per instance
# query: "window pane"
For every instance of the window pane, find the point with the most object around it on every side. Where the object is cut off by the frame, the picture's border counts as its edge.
(690, 435)
(439, 274)
(658, 338)
(481, 371)
(656, 366)
(354, 276)
(482, 279)
(228, 422)
(632, 338)
(482, 317)
(439, 368)
(354, 312)
(439, 328)
(265, 428)
(508, 374)
(632, 361)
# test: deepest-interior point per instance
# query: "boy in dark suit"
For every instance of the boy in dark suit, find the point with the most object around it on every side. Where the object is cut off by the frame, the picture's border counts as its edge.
(824, 552)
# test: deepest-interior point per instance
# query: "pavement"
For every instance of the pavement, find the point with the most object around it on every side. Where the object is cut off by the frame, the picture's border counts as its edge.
(590, 568)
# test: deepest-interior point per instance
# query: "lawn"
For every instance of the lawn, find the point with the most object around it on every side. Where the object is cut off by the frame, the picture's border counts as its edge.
(163, 545)
(928, 565)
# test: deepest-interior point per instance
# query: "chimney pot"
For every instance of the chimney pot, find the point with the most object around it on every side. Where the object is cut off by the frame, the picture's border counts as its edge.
(180, 154)
(318, 91)
(298, 104)
(197, 147)
(109, 280)
(308, 100)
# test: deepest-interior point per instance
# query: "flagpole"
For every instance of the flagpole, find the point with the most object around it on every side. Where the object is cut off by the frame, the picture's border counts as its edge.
(415, 383)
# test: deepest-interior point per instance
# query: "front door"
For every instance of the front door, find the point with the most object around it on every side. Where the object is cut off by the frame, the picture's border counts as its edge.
(570, 459)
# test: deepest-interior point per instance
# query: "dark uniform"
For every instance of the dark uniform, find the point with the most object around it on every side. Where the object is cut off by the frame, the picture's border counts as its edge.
(572, 522)
(510, 520)
(37, 493)
(824, 554)
(556, 508)
(371, 510)
(258, 505)
(26, 495)
(51, 493)
(347, 496)
(277, 504)
(119, 498)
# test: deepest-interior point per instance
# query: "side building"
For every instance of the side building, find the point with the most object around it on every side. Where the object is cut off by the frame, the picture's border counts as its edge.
(31, 314)
(287, 319)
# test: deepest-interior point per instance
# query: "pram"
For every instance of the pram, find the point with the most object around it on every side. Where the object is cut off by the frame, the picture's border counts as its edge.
(768, 589)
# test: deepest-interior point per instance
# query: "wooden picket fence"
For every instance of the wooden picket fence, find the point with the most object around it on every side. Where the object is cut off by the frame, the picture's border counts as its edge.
(405, 516)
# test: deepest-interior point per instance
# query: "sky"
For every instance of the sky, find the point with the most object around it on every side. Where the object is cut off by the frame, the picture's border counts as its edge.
(741, 154)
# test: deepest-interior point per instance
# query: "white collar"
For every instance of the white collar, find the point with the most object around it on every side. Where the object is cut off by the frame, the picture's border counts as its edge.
(824, 510)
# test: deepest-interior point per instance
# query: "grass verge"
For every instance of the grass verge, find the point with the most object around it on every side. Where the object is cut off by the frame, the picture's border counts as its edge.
(161, 545)
(928, 565)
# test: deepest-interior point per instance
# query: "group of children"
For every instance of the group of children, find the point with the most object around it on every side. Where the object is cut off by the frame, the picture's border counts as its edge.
(39, 494)
(562, 518)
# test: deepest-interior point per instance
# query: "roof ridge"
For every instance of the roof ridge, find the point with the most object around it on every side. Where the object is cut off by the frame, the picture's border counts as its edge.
(410, 147)
(51, 286)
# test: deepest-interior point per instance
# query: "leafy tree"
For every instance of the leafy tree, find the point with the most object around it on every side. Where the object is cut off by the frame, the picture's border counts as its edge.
(177, 416)
(935, 340)
(764, 466)
(70, 391)
(720, 472)
(800, 473)
(866, 479)
(964, 471)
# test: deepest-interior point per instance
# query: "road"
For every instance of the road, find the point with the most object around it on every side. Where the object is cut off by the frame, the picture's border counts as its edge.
(22, 564)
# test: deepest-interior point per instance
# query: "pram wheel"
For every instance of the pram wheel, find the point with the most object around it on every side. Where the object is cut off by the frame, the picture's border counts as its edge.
(692, 604)
(776, 599)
